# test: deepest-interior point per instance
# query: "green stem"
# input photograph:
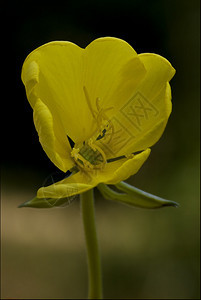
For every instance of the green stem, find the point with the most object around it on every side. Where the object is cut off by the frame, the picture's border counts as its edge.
(94, 265)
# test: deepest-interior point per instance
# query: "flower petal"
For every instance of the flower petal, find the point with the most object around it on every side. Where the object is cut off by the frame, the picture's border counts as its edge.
(70, 186)
(142, 120)
(50, 136)
(159, 72)
(112, 72)
(130, 167)
(60, 85)
(148, 111)
(153, 128)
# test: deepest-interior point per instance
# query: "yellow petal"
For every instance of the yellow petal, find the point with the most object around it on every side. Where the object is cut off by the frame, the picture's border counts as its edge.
(60, 85)
(130, 167)
(52, 73)
(49, 131)
(30, 77)
(70, 186)
(151, 128)
(159, 72)
(112, 72)
(142, 120)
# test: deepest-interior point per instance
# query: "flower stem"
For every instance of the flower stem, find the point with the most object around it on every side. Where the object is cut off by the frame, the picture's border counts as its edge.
(93, 255)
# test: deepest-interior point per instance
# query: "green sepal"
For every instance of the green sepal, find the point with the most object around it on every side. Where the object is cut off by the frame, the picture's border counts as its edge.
(132, 196)
(47, 202)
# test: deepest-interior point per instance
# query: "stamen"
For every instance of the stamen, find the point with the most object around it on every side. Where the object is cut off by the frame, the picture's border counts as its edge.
(97, 148)
(101, 135)
(105, 127)
(99, 115)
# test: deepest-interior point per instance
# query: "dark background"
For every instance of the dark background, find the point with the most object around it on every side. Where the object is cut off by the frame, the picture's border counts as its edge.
(160, 262)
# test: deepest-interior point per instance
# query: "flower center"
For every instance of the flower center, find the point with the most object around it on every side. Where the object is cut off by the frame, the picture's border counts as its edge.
(89, 156)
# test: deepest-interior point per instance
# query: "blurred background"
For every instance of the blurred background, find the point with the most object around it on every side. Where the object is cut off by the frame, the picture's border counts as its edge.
(146, 254)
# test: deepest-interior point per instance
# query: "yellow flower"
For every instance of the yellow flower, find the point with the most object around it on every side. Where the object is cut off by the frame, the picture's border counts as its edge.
(111, 102)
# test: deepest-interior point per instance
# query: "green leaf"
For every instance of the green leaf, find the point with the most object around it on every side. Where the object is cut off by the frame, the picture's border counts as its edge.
(47, 202)
(132, 196)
